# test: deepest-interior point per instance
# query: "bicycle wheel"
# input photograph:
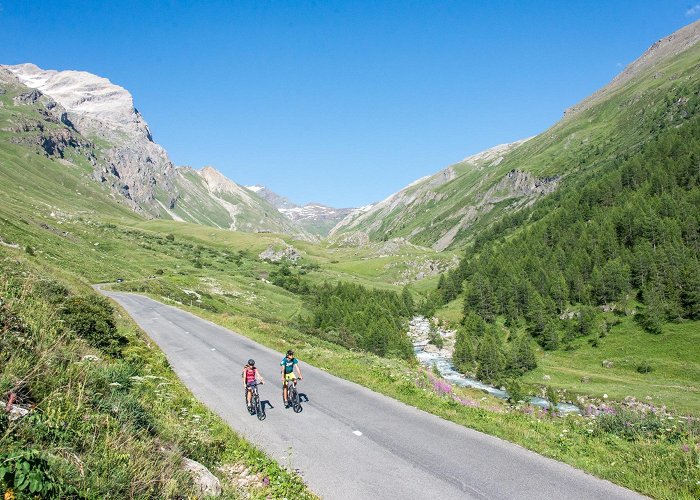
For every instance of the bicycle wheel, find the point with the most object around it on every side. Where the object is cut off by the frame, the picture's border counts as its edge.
(247, 406)
(296, 404)
(259, 409)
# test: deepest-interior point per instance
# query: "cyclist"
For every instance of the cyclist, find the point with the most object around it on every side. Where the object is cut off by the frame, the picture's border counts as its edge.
(289, 362)
(251, 377)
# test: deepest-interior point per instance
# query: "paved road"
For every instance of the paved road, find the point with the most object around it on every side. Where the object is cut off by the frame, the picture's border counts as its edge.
(350, 442)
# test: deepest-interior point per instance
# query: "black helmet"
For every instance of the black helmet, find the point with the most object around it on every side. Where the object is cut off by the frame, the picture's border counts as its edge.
(251, 362)
(290, 353)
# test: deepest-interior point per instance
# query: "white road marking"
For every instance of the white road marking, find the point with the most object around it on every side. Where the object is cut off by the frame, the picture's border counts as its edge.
(357, 433)
(213, 349)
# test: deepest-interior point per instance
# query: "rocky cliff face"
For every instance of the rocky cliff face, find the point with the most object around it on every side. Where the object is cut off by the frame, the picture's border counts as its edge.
(131, 163)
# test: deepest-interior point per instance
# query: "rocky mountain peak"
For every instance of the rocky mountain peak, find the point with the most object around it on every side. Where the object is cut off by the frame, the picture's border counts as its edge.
(133, 165)
(93, 103)
(219, 183)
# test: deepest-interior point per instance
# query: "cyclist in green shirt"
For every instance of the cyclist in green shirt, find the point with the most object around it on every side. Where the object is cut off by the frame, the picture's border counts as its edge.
(289, 362)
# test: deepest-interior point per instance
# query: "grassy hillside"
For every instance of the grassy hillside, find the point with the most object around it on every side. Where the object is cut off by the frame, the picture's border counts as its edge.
(618, 123)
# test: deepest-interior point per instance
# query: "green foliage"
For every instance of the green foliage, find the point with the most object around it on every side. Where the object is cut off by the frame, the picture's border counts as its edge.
(553, 397)
(27, 473)
(632, 425)
(98, 426)
(284, 276)
(435, 338)
(373, 320)
(644, 367)
(521, 357)
(464, 356)
(51, 291)
(490, 358)
(91, 317)
(516, 391)
(630, 228)
(408, 302)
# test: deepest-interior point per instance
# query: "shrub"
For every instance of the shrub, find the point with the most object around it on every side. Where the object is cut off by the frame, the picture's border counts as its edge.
(436, 339)
(553, 398)
(516, 392)
(28, 474)
(644, 367)
(50, 291)
(92, 318)
(630, 424)
(14, 334)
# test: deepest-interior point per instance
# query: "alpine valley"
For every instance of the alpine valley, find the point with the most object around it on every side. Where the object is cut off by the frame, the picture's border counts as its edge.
(564, 265)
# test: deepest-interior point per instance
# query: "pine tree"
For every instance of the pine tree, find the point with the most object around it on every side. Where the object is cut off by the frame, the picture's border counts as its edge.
(464, 354)
(522, 355)
(490, 358)
(408, 303)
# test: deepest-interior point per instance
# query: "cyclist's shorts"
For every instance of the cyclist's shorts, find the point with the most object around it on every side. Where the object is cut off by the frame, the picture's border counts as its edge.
(288, 376)
(252, 384)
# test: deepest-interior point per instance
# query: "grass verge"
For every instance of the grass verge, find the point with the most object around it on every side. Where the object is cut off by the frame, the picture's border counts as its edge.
(99, 425)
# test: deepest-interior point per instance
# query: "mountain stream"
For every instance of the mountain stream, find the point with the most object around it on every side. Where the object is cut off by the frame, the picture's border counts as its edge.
(441, 359)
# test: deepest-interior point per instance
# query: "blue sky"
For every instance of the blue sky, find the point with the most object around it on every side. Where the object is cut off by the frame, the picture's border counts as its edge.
(338, 102)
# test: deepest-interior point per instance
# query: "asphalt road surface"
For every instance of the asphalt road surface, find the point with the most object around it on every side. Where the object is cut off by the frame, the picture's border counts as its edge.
(350, 442)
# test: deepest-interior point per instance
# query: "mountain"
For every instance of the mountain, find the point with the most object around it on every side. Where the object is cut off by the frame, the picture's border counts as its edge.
(100, 117)
(618, 239)
(316, 218)
(416, 211)
(448, 209)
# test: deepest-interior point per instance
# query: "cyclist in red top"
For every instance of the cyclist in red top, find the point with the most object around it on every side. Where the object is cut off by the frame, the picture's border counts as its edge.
(251, 377)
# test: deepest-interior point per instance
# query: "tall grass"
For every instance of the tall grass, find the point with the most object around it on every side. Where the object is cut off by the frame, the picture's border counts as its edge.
(104, 425)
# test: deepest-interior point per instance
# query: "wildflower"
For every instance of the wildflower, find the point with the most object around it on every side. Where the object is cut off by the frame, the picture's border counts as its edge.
(605, 396)
(685, 448)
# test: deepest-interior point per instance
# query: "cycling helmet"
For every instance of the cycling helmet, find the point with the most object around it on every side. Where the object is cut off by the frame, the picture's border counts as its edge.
(290, 353)
(251, 362)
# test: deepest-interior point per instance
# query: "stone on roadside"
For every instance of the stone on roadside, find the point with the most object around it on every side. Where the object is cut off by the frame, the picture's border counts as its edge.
(206, 482)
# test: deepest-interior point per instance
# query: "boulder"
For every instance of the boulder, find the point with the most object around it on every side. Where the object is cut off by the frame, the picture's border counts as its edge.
(287, 253)
(206, 482)
(607, 363)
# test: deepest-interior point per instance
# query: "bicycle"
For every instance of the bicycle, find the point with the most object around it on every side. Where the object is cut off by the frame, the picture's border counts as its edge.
(293, 396)
(256, 407)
